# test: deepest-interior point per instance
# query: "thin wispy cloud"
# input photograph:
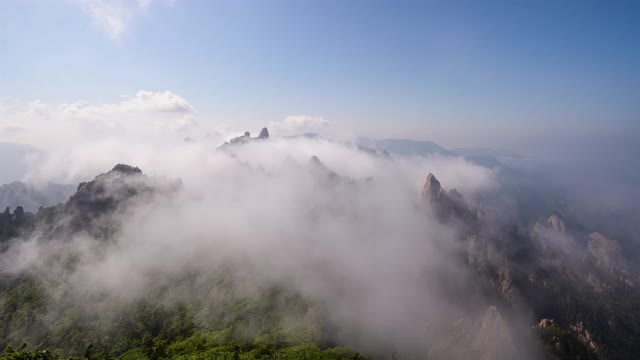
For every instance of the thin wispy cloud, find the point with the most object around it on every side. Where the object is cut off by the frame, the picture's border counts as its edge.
(296, 124)
(113, 17)
(143, 101)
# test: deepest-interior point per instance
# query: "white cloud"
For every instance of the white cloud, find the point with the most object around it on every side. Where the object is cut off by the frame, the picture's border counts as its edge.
(110, 16)
(113, 16)
(147, 114)
(8, 105)
(142, 102)
(296, 124)
(145, 4)
(37, 107)
(183, 123)
(275, 217)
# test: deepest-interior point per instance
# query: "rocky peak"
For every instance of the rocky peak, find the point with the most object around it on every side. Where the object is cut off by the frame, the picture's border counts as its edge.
(264, 135)
(320, 169)
(315, 161)
(126, 169)
(106, 191)
(240, 139)
(432, 189)
(18, 212)
(557, 224)
(546, 323)
(554, 236)
(447, 205)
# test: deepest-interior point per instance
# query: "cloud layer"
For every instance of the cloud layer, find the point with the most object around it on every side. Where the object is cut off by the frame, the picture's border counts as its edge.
(297, 124)
(362, 244)
(161, 115)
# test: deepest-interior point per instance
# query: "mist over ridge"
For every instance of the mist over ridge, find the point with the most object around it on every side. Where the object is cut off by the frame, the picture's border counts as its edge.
(319, 180)
(389, 259)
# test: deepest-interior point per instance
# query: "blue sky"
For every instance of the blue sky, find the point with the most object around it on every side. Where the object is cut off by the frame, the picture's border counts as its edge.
(420, 69)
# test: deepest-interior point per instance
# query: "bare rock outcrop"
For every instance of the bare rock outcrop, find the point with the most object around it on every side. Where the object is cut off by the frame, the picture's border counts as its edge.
(606, 252)
(246, 138)
(546, 323)
(447, 205)
(432, 190)
(264, 134)
(607, 256)
(584, 335)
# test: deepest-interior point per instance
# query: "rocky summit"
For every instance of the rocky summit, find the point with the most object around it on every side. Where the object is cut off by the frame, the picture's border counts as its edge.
(246, 138)
(90, 208)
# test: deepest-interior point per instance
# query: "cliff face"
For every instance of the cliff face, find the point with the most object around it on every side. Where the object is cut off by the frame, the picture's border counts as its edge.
(447, 206)
(578, 282)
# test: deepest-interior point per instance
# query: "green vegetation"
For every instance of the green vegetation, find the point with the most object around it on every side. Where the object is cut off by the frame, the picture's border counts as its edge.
(201, 346)
(268, 324)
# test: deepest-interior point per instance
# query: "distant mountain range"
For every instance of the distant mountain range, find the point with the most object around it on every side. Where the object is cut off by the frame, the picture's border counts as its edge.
(405, 147)
(33, 196)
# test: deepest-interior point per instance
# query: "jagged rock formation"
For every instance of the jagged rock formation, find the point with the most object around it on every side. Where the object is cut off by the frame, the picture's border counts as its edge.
(432, 190)
(571, 258)
(573, 283)
(576, 287)
(14, 224)
(107, 191)
(264, 135)
(554, 236)
(584, 335)
(90, 208)
(447, 205)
